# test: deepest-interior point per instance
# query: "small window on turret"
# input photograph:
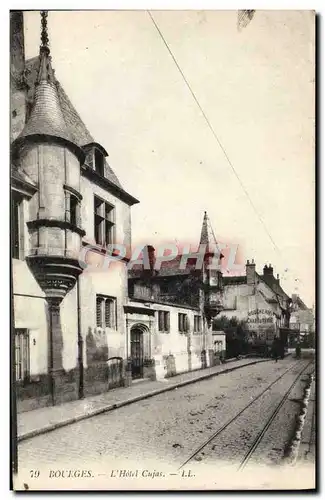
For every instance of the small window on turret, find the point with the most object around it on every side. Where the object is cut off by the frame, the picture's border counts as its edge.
(74, 210)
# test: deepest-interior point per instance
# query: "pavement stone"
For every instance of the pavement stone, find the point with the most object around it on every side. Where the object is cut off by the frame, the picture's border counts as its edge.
(307, 449)
(44, 420)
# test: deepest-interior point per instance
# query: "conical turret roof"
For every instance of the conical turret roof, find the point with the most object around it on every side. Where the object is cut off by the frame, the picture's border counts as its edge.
(46, 117)
(208, 237)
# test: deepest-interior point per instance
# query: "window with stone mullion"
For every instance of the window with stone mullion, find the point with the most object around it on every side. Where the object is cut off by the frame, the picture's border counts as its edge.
(109, 313)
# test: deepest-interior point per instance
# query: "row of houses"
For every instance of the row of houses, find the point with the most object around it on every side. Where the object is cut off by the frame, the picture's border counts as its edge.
(78, 330)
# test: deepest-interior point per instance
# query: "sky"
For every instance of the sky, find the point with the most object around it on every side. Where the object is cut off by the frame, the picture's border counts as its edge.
(255, 86)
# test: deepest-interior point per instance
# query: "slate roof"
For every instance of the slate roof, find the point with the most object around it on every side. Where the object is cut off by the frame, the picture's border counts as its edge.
(234, 280)
(168, 269)
(78, 131)
(299, 303)
(272, 283)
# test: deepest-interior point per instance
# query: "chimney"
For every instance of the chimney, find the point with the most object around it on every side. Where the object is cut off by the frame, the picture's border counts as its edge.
(17, 43)
(148, 260)
(268, 270)
(250, 273)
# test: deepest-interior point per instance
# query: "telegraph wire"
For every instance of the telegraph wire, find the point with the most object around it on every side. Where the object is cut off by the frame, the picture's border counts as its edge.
(212, 130)
(214, 134)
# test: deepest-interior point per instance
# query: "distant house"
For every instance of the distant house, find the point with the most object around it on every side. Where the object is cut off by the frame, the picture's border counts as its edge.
(302, 318)
(170, 310)
(258, 300)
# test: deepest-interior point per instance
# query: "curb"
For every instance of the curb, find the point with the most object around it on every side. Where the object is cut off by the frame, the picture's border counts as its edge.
(292, 452)
(120, 404)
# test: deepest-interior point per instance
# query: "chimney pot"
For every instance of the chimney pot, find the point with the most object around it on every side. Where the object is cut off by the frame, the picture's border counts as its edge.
(247, 263)
(253, 261)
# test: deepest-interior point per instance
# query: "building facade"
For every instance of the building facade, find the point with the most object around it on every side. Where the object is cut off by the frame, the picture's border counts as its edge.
(259, 301)
(70, 328)
(302, 321)
(176, 304)
(81, 330)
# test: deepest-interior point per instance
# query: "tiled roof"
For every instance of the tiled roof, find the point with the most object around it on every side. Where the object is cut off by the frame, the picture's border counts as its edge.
(298, 302)
(46, 117)
(78, 131)
(168, 268)
(272, 283)
(234, 280)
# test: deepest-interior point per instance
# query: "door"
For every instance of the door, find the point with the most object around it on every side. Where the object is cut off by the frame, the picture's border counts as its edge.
(137, 353)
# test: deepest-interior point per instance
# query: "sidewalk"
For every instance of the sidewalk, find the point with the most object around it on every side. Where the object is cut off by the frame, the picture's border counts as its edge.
(42, 420)
(307, 451)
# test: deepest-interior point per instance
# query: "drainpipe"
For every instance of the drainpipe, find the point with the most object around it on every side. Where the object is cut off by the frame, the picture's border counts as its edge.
(13, 433)
(127, 336)
(150, 353)
(80, 346)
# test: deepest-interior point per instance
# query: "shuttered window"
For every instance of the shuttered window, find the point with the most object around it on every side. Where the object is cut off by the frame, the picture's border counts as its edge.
(22, 354)
(106, 312)
(182, 323)
(163, 321)
(99, 304)
(197, 324)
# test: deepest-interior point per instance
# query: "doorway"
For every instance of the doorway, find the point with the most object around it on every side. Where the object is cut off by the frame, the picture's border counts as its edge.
(137, 353)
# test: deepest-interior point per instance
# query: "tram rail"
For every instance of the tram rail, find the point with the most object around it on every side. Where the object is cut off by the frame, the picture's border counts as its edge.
(261, 433)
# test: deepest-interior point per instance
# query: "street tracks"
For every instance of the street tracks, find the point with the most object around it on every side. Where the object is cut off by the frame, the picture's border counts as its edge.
(267, 425)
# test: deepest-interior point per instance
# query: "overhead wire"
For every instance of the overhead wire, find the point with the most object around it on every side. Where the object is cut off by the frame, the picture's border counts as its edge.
(214, 134)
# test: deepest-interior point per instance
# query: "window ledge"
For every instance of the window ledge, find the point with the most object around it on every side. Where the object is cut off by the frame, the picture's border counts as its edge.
(73, 191)
(95, 247)
(34, 224)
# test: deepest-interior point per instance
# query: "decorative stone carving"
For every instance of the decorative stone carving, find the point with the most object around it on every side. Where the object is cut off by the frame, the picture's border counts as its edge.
(55, 275)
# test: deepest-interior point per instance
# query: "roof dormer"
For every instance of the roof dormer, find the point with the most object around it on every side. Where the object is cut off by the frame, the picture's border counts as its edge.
(95, 157)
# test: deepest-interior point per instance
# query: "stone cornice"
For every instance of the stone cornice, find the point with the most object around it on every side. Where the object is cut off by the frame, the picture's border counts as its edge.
(22, 186)
(73, 191)
(34, 224)
(138, 310)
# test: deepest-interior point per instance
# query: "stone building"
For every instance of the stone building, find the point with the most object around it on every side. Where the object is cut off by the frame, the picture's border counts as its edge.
(170, 311)
(302, 319)
(70, 327)
(75, 326)
(259, 301)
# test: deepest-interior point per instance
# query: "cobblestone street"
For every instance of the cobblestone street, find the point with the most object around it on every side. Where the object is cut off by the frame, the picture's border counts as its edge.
(165, 430)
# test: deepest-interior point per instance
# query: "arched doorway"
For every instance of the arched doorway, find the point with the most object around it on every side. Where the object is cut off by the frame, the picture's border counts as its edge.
(137, 355)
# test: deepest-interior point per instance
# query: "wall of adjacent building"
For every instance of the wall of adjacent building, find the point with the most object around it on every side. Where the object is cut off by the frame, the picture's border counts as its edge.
(173, 344)
(249, 303)
(110, 283)
(109, 279)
